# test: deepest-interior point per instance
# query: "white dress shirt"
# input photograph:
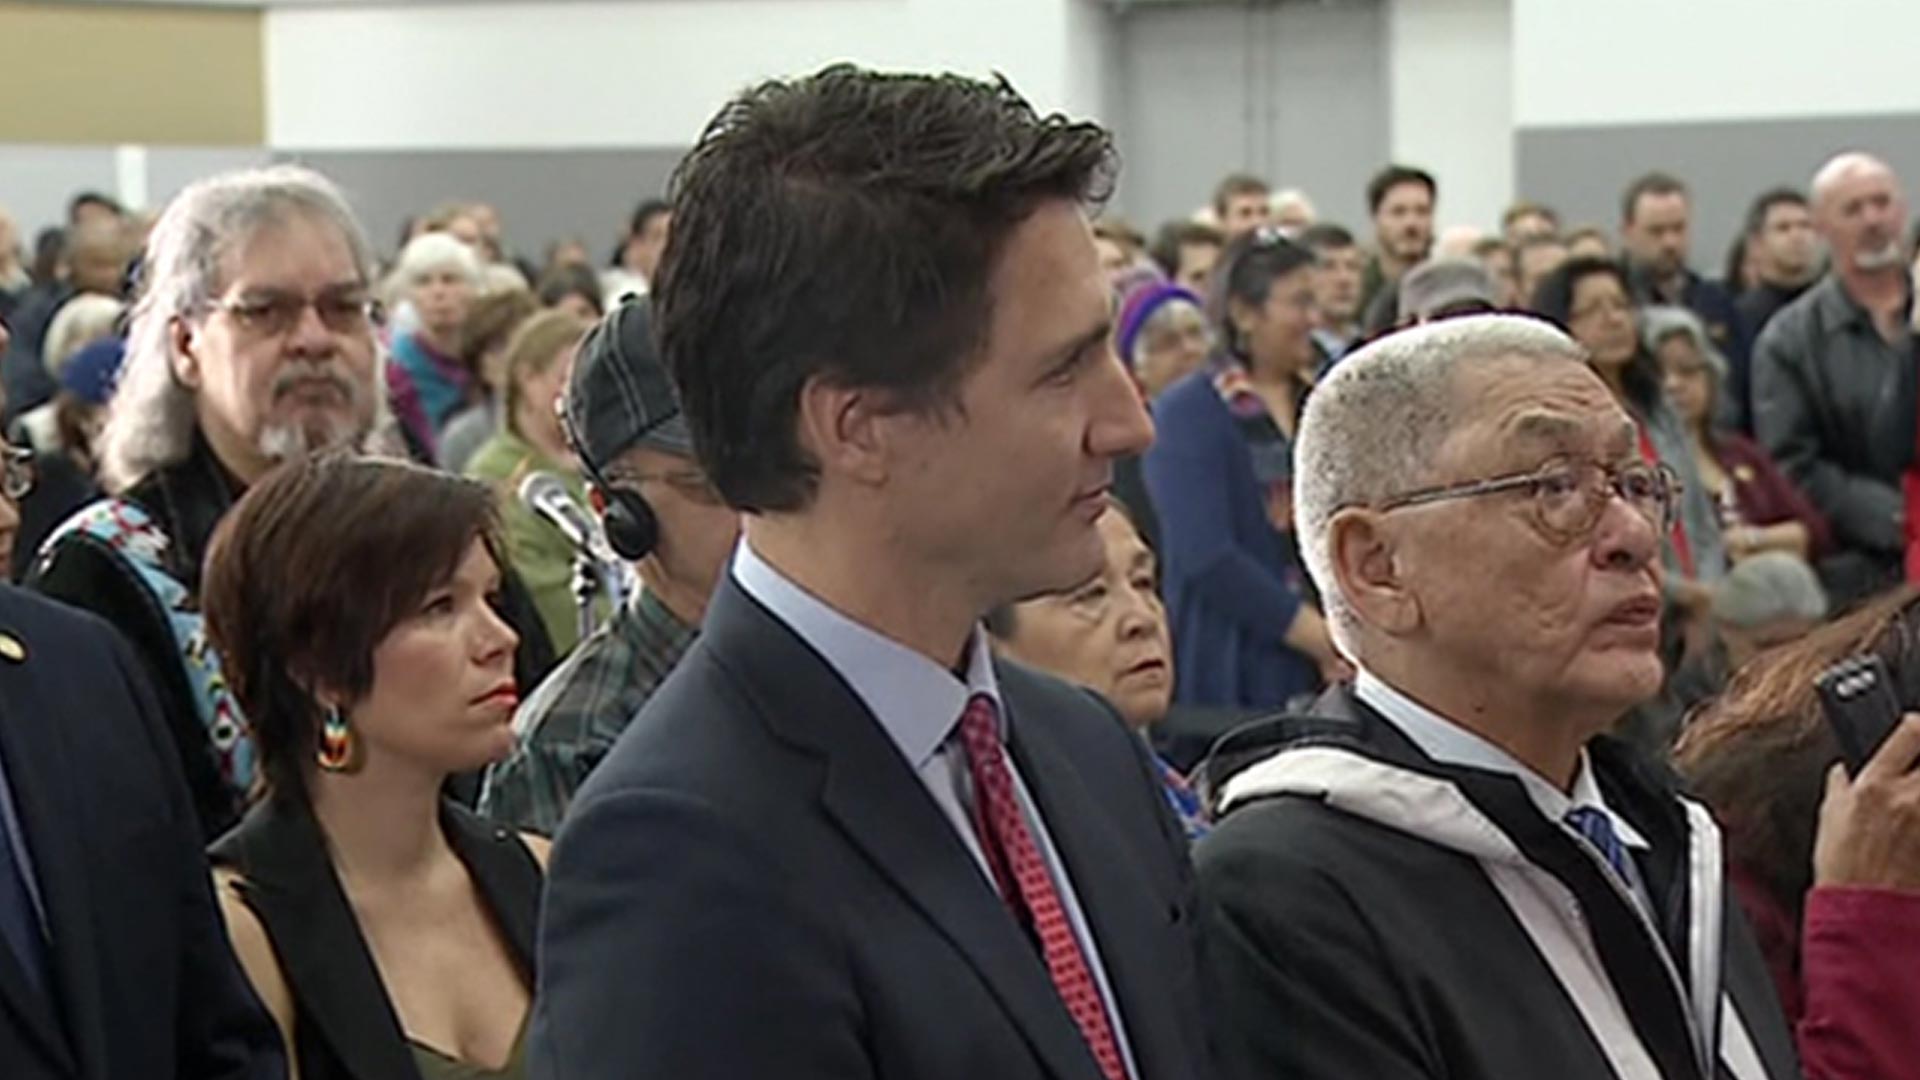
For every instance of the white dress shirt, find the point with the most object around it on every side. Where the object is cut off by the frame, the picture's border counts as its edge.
(918, 704)
(1449, 743)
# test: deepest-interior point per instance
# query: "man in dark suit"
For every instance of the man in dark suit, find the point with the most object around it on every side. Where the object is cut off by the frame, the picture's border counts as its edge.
(113, 962)
(841, 840)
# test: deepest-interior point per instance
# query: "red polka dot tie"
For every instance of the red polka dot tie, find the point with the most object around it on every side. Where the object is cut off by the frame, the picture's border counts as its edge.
(1012, 854)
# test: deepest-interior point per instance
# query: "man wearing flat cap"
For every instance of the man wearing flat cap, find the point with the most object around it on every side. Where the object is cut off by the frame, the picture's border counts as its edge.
(624, 419)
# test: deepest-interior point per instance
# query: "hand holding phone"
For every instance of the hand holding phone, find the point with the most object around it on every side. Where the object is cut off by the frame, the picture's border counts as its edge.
(1857, 699)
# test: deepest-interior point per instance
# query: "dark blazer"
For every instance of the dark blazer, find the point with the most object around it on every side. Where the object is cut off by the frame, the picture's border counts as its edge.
(1343, 946)
(754, 883)
(344, 1023)
(147, 984)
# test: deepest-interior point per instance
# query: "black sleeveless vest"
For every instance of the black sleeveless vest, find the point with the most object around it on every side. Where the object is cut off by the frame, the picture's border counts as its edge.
(344, 1024)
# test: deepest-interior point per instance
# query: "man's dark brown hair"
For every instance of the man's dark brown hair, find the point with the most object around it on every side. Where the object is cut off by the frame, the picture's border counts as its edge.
(1175, 235)
(1237, 185)
(311, 570)
(1653, 183)
(844, 226)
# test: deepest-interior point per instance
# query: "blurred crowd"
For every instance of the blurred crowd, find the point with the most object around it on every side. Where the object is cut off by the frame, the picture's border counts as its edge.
(1458, 593)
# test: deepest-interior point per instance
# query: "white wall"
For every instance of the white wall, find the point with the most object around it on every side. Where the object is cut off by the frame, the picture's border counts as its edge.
(1595, 62)
(599, 73)
(1451, 97)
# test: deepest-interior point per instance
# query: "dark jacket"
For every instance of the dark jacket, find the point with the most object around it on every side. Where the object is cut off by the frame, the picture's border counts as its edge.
(755, 883)
(147, 984)
(60, 489)
(23, 372)
(1232, 581)
(1373, 913)
(345, 1027)
(1714, 305)
(186, 501)
(1756, 307)
(1834, 404)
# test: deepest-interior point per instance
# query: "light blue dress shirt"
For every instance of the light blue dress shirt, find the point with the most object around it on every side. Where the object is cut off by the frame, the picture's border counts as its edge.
(918, 704)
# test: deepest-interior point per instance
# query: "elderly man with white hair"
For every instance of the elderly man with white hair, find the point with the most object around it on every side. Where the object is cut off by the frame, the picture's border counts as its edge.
(1449, 870)
(1834, 384)
(251, 342)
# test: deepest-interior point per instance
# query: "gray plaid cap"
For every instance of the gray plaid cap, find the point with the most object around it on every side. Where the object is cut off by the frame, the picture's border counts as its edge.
(620, 394)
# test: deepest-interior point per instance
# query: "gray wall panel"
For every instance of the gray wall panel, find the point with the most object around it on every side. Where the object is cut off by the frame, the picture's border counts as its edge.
(542, 194)
(170, 168)
(37, 181)
(1295, 92)
(1582, 171)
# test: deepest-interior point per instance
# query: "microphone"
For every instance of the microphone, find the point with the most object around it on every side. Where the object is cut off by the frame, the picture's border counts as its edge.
(545, 495)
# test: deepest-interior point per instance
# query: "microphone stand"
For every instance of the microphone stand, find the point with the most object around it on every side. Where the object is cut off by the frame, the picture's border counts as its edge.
(587, 583)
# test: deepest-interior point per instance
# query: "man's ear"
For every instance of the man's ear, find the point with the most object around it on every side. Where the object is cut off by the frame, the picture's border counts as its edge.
(183, 352)
(846, 430)
(1370, 571)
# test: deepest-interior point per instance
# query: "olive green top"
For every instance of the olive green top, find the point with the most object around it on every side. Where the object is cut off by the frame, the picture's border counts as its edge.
(435, 1065)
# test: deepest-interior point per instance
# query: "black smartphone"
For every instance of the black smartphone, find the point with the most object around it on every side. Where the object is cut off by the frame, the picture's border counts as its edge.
(1857, 697)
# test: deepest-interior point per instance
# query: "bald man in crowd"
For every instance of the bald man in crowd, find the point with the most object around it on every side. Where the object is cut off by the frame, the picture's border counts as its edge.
(1834, 387)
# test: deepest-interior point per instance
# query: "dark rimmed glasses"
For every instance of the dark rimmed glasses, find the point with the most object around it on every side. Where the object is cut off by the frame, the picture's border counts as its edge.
(1568, 497)
(275, 314)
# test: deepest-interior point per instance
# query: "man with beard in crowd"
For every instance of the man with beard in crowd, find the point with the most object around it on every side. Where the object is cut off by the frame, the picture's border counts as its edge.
(1401, 199)
(1833, 376)
(252, 342)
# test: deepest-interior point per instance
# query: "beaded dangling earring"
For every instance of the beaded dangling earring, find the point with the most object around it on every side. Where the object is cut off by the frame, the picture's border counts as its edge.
(339, 750)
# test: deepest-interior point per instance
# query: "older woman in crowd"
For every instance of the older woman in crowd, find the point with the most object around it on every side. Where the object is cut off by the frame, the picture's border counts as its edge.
(1110, 636)
(1591, 299)
(1246, 629)
(388, 930)
(439, 276)
(1760, 509)
(1161, 334)
(1827, 867)
(531, 440)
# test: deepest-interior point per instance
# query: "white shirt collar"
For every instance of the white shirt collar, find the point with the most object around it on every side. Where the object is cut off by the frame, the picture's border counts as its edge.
(1445, 741)
(916, 701)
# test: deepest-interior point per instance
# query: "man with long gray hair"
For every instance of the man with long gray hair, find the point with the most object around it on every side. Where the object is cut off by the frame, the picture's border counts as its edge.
(1448, 870)
(252, 342)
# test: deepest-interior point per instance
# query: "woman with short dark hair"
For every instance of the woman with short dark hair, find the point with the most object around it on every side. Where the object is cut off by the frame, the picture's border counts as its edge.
(387, 929)
(1246, 631)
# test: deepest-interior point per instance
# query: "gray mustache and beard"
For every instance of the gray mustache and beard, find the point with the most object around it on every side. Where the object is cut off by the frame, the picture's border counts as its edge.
(1884, 257)
(320, 429)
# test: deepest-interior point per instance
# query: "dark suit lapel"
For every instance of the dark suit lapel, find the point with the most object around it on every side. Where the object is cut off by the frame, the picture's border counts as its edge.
(1113, 894)
(38, 770)
(288, 881)
(887, 813)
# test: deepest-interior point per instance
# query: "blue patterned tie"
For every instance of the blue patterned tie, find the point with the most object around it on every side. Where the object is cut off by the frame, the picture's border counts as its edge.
(1593, 824)
(19, 924)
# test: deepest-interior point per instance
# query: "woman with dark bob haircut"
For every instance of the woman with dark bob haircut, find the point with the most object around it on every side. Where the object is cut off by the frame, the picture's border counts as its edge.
(388, 930)
(1827, 869)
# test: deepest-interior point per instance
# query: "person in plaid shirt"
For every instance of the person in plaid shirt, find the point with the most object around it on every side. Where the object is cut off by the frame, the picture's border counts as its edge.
(660, 512)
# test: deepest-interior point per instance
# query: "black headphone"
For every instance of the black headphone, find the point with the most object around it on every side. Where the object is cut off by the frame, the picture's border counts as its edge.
(631, 527)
